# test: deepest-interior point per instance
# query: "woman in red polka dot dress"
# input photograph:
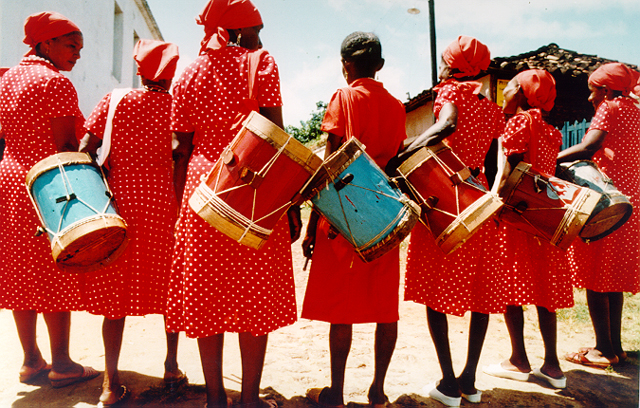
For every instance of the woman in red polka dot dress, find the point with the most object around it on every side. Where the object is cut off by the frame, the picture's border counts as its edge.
(464, 280)
(39, 116)
(535, 272)
(218, 285)
(610, 266)
(141, 179)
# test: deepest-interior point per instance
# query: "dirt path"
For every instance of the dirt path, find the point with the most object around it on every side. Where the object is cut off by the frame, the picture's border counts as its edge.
(298, 358)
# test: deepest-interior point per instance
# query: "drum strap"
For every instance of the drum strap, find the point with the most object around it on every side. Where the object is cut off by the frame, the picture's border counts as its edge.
(103, 151)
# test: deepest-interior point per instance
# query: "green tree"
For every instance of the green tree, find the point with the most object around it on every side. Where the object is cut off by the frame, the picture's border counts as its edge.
(309, 131)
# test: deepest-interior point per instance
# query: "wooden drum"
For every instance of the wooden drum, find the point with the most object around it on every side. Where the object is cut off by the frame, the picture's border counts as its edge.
(76, 209)
(361, 202)
(613, 209)
(546, 206)
(253, 183)
(454, 204)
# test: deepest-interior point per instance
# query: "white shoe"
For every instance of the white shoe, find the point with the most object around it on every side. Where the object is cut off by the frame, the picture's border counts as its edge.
(497, 370)
(554, 382)
(473, 398)
(433, 393)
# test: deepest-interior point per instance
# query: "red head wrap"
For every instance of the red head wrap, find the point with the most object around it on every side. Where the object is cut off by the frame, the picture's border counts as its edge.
(219, 15)
(3, 70)
(539, 87)
(468, 55)
(156, 59)
(45, 26)
(615, 76)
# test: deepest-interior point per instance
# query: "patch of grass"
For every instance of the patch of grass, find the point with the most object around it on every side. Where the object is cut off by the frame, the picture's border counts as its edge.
(578, 315)
(578, 319)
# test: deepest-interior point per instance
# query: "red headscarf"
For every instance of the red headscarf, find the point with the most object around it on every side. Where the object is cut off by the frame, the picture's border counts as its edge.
(3, 70)
(45, 26)
(615, 76)
(156, 59)
(539, 87)
(468, 55)
(220, 15)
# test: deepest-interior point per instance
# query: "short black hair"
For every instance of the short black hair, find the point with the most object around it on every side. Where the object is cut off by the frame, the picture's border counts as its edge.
(363, 49)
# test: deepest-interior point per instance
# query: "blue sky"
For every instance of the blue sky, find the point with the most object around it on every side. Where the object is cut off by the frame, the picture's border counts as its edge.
(304, 36)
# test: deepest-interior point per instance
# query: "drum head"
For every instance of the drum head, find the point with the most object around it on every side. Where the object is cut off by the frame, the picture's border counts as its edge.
(90, 245)
(614, 213)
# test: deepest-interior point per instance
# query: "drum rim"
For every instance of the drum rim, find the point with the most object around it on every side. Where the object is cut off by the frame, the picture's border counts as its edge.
(512, 182)
(429, 152)
(53, 161)
(279, 139)
(334, 166)
(58, 245)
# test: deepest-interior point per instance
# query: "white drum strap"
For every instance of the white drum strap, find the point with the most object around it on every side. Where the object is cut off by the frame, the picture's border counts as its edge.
(103, 151)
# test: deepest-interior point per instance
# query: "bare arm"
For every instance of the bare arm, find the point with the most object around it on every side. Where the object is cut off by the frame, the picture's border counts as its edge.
(445, 126)
(64, 133)
(90, 144)
(274, 114)
(511, 163)
(592, 142)
(182, 144)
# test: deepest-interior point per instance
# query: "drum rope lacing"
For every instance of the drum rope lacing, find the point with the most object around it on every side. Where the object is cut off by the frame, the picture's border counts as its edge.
(424, 201)
(222, 207)
(567, 218)
(56, 235)
(361, 248)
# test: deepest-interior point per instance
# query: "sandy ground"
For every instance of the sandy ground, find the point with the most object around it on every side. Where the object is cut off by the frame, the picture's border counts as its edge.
(298, 359)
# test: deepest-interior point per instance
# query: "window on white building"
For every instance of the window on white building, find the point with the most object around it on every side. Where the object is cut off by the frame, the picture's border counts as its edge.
(118, 37)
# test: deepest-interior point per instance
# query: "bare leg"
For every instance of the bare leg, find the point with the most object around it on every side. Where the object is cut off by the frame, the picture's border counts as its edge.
(386, 336)
(252, 351)
(340, 336)
(26, 325)
(549, 332)
(59, 327)
(211, 358)
(616, 303)
(477, 332)
(171, 361)
(514, 319)
(439, 329)
(112, 330)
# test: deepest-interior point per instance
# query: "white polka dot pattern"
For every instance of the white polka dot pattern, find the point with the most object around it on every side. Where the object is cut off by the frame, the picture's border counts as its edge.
(464, 280)
(537, 272)
(218, 285)
(141, 179)
(31, 94)
(612, 264)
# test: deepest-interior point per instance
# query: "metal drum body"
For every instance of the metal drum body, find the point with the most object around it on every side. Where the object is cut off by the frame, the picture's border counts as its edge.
(257, 178)
(454, 204)
(75, 207)
(361, 202)
(546, 206)
(613, 209)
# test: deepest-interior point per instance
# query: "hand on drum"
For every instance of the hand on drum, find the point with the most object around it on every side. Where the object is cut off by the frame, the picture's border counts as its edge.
(295, 222)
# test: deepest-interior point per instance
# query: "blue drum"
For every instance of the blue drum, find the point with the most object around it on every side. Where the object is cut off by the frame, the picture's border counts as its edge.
(361, 202)
(77, 211)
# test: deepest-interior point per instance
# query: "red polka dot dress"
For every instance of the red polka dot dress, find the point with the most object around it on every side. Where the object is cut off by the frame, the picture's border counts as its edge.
(141, 179)
(218, 285)
(537, 272)
(464, 280)
(31, 94)
(612, 264)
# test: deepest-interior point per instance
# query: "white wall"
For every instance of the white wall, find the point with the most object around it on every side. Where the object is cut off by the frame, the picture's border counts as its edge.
(92, 76)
